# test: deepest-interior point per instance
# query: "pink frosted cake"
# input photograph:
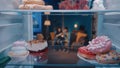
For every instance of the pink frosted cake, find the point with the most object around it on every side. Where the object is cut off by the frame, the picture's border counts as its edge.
(84, 52)
(101, 44)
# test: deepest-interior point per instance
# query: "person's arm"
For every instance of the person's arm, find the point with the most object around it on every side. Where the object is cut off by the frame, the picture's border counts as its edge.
(57, 35)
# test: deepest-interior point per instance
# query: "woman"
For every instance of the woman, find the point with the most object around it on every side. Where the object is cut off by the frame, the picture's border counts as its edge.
(57, 38)
(58, 33)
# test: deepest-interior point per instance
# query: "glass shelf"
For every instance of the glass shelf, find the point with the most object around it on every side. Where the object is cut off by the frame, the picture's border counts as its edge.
(60, 12)
(106, 10)
(64, 58)
(54, 58)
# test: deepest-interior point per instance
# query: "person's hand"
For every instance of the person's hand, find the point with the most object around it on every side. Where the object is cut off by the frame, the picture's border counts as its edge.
(62, 35)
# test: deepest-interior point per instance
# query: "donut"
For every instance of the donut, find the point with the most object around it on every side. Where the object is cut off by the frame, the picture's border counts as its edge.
(111, 57)
(39, 2)
(101, 44)
(84, 52)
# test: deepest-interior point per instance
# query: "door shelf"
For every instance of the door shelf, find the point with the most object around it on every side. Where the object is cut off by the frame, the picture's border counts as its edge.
(12, 24)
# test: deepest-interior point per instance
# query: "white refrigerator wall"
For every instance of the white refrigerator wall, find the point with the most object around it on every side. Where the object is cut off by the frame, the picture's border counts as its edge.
(12, 28)
(10, 33)
(111, 27)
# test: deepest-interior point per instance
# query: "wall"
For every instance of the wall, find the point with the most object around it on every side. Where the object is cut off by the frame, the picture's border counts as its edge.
(69, 21)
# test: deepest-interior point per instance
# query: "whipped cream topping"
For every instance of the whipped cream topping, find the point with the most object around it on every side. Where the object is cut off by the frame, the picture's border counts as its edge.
(98, 42)
(19, 43)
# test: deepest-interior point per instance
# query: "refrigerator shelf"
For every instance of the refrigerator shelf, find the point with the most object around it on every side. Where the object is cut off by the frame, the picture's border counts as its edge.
(12, 24)
(106, 10)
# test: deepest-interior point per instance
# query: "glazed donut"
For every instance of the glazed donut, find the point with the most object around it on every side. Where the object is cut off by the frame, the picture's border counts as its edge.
(101, 44)
(111, 57)
(39, 2)
(84, 52)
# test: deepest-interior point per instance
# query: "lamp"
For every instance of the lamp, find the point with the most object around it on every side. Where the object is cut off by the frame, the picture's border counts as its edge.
(75, 26)
(47, 23)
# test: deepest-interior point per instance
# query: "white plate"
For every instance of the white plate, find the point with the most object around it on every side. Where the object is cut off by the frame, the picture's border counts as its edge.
(37, 47)
(93, 61)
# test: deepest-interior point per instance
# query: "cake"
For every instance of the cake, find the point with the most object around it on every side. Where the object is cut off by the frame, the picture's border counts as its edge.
(19, 48)
(74, 4)
(35, 5)
(84, 52)
(111, 57)
(101, 50)
(39, 2)
(19, 43)
(101, 44)
(18, 51)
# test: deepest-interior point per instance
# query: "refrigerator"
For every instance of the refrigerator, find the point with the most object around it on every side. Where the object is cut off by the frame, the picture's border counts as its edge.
(17, 25)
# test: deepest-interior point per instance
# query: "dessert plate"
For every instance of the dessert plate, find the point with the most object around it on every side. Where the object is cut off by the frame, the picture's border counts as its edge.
(97, 63)
(37, 47)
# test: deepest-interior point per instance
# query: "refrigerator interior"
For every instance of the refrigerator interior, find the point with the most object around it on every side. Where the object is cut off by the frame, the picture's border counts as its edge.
(13, 27)
(111, 27)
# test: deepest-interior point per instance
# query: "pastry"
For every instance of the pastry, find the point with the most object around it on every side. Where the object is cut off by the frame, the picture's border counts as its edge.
(39, 2)
(111, 57)
(84, 52)
(24, 7)
(48, 7)
(18, 52)
(101, 44)
(35, 6)
(41, 7)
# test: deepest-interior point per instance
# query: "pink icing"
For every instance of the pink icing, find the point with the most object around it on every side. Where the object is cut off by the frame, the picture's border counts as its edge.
(19, 43)
(100, 44)
(74, 4)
